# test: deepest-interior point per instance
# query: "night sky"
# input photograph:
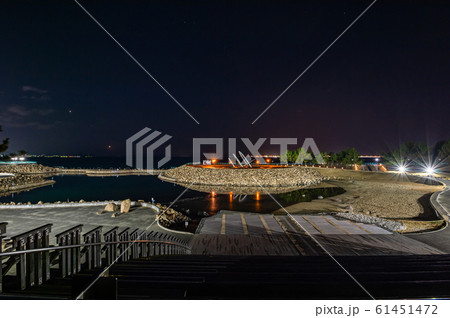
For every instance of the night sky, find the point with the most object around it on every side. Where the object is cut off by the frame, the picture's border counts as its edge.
(66, 87)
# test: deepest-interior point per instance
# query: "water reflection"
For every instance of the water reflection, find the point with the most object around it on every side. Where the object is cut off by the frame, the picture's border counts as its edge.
(237, 190)
(257, 202)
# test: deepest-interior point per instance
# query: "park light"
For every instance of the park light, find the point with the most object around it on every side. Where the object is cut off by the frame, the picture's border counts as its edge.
(429, 170)
(402, 169)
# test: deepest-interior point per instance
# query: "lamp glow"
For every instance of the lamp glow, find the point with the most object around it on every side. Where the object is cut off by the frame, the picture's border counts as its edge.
(402, 169)
(429, 170)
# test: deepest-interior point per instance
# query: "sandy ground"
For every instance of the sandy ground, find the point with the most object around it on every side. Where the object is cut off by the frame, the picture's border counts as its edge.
(386, 195)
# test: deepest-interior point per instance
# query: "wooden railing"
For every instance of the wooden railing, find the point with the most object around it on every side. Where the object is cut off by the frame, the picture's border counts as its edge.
(33, 256)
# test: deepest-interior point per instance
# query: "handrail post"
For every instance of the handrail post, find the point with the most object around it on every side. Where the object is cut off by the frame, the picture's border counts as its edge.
(111, 249)
(38, 258)
(134, 247)
(69, 258)
(62, 256)
(30, 269)
(2, 231)
(124, 236)
(151, 246)
(165, 247)
(143, 245)
(94, 253)
(76, 250)
(29, 266)
(19, 245)
(46, 255)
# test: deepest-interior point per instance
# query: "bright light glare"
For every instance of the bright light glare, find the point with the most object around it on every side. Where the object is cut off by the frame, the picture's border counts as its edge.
(402, 169)
(429, 170)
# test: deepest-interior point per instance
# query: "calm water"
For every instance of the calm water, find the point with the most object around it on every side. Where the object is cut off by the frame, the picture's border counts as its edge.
(75, 188)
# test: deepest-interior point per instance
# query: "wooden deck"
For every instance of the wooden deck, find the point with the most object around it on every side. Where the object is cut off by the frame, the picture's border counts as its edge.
(245, 234)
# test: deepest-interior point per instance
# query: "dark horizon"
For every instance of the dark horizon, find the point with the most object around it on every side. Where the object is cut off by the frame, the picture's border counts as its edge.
(67, 88)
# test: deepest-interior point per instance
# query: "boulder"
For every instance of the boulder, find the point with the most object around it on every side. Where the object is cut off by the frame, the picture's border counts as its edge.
(125, 206)
(114, 215)
(82, 201)
(320, 197)
(111, 207)
(100, 212)
(40, 202)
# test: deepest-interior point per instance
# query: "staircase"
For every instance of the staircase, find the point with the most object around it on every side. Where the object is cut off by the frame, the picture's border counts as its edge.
(269, 277)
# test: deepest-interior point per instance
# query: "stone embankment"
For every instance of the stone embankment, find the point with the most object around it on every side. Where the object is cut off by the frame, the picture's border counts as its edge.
(27, 176)
(384, 223)
(276, 177)
(107, 172)
(27, 169)
(169, 216)
(30, 176)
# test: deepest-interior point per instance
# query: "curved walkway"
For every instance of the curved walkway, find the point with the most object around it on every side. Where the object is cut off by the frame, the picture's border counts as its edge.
(438, 239)
(23, 218)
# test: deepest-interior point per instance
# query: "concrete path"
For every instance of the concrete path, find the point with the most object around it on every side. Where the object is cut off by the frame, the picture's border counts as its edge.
(438, 239)
(22, 220)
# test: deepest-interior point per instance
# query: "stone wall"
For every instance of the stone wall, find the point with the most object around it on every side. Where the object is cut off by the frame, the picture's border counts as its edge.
(276, 177)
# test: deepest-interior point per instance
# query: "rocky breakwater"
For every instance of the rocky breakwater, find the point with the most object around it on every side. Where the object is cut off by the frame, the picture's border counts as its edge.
(169, 217)
(22, 182)
(244, 177)
(27, 169)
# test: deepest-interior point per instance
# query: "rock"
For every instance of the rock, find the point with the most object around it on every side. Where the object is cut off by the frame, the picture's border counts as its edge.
(100, 212)
(40, 203)
(320, 197)
(28, 203)
(81, 201)
(111, 207)
(125, 206)
(114, 215)
(12, 203)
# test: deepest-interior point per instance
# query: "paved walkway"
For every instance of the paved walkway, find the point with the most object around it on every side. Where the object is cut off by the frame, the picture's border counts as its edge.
(22, 220)
(239, 233)
(439, 239)
(230, 222)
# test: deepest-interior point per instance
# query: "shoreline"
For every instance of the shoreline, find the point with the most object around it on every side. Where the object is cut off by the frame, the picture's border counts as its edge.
(25, 187)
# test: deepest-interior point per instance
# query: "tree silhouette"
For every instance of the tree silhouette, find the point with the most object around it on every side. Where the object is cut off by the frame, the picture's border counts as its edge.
(4, 144)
